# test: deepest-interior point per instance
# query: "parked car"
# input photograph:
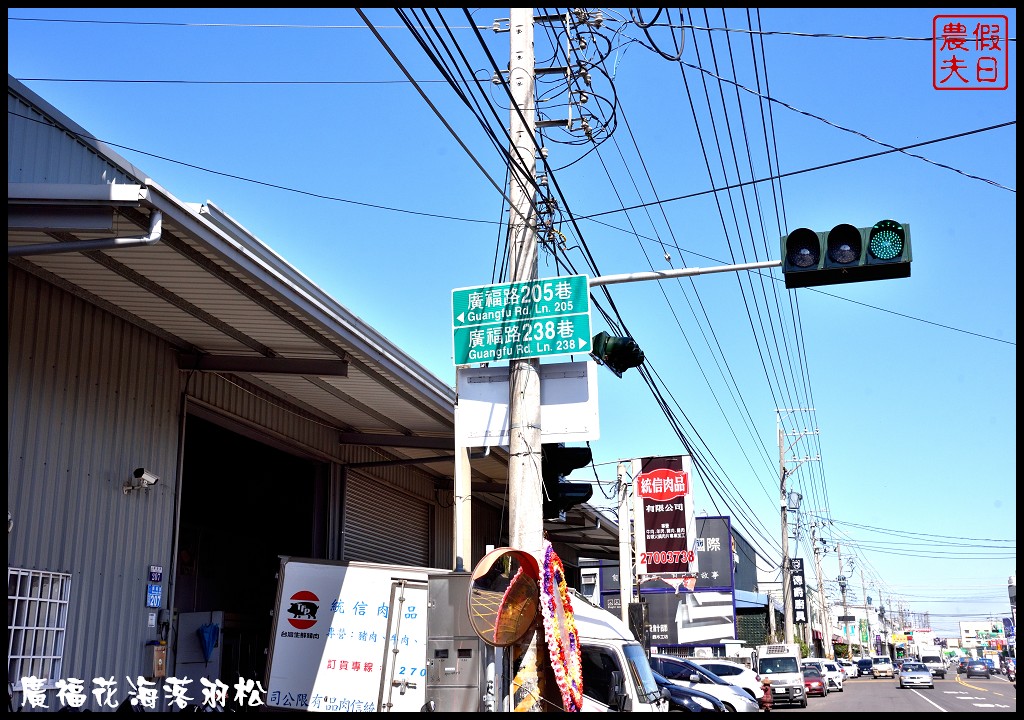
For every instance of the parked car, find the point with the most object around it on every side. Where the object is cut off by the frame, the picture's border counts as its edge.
(915, 674)
(864, 667)
(881, 667)
(834, 675)
(814, 682)
(814, 663)
(978, 668)
(689, 674)
(735, 673)
(684, 699)
(850, 666)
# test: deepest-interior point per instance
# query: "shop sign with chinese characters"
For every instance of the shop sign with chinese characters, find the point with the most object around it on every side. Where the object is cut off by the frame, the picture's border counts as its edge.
(798, 590)
(663, 517)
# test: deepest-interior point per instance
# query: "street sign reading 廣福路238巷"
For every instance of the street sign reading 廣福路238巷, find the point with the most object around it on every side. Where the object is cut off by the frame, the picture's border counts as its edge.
(511, 321)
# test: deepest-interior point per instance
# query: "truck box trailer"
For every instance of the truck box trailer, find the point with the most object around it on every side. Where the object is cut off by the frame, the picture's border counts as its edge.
(366, 637)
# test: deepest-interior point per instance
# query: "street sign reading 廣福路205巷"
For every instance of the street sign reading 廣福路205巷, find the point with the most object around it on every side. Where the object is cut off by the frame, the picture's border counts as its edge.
(511, 321)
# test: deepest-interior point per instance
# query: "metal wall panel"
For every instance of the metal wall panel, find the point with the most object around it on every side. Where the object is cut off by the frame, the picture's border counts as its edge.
(90, 398)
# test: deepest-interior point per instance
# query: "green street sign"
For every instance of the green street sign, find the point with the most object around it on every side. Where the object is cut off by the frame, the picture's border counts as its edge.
(512, 321)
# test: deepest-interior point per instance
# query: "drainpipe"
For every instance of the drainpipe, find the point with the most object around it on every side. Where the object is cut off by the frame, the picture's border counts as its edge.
(155, 231)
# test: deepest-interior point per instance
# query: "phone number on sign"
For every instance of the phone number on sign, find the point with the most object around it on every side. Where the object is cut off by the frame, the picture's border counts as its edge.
(666, 557)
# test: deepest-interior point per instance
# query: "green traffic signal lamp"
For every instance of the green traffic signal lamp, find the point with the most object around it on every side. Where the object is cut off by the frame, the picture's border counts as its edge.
(560, 495)
(846, 254)
(618, 354)
(887, 242)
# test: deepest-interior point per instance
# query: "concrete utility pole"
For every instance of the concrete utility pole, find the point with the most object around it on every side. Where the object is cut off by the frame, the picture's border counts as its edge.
(867, 618)
(463, 508)
(526, 524)
(787, 590)
(784, 472)
(883, 626)
(525, 521)
(826, 622)
(625, 546)
(846, 611)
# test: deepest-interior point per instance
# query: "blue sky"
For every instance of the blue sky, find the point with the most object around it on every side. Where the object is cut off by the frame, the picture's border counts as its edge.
(302, 125)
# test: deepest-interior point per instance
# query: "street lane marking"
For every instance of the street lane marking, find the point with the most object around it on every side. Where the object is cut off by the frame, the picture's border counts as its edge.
(928, 700)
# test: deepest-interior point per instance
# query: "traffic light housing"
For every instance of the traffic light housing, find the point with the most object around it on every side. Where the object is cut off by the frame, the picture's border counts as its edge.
(560, 495)
(846, 254)
(617, 353)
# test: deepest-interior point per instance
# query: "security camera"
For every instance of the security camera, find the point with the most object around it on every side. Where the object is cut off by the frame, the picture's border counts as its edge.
(145, 478)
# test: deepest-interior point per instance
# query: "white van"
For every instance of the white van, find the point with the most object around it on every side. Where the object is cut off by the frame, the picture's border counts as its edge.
(780, 663)
(881, 666)
(616, 674)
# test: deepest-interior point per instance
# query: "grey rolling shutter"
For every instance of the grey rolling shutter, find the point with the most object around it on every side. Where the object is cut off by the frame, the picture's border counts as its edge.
(383, 525)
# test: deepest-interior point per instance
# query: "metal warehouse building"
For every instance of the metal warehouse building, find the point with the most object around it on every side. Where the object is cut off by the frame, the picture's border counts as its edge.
(184, 407)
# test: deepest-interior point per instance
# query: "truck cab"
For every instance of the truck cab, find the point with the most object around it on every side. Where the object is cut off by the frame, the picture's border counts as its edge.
(934, 661)
(616, 674)
(780, 663)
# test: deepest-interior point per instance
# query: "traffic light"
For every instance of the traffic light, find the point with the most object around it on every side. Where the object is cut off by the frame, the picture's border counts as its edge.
(846, 254)
(619, 354)
(557, 461)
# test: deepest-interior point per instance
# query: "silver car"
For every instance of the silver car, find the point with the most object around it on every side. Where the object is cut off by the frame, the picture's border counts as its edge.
(915, 674)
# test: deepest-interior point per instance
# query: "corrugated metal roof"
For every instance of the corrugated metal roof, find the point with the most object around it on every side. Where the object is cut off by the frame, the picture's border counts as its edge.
(215, 292)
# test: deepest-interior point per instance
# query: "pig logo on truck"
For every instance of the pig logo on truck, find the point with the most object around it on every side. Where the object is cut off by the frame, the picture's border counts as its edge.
(303, 607)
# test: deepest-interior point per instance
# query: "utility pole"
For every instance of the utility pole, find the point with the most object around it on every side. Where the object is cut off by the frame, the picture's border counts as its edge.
(846, 611)
(883, 625)
(787, 591)
(463, 508)
(826, 622)
(784, 502)
(867, 618)
(625, 545)
(526, 526)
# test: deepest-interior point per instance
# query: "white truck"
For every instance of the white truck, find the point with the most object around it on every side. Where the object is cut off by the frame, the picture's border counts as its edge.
(352, 637)
(780, 662)
(932, 658)
(616, 673)
(348, 637)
